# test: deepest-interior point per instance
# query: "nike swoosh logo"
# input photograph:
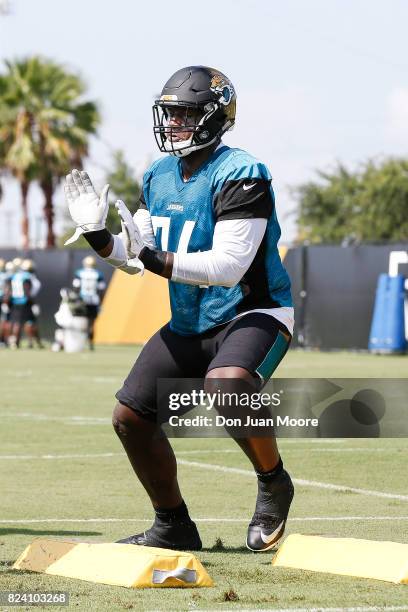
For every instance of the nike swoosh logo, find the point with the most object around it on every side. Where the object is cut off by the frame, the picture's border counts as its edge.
(267, 539)
(246, 187)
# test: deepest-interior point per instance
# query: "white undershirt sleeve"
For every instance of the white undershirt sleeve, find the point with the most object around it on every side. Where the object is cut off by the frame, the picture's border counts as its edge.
(235, 244)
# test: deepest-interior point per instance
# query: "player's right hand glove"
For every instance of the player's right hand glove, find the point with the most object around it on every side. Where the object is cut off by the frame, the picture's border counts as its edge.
(87, 209)
(130, 234)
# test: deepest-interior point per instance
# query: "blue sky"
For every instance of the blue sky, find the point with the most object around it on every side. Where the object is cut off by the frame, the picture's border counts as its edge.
(317, 80)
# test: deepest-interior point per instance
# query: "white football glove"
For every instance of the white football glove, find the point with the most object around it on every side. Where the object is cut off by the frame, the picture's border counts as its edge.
(87, 209)
(130, 234)
(36, 310)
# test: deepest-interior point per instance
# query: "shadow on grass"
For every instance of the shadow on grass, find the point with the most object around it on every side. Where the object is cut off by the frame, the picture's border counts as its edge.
(228, 549)
(16, 571)
(39, 532)
(10, 570)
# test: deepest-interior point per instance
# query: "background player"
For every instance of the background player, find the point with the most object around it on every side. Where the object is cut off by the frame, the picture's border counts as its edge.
(206, 222)
(3, 300)
(21, 303)
(90, 285)
(31, 326)
(6, 305)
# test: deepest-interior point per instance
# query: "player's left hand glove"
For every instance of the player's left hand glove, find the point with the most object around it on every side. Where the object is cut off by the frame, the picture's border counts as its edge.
(35, 310)
(87, 209)
(130, 235)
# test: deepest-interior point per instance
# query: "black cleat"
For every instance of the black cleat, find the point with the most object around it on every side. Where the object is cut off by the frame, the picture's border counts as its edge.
(271, 511)
(176, 535)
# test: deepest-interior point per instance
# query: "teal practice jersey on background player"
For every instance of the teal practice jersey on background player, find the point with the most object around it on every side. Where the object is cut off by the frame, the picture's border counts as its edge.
(184, 215)
(18, 280)
(88, 281)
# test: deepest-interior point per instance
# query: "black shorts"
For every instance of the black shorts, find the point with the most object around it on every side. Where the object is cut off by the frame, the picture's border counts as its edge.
(255, 341)
(91, 311)
(21, 314)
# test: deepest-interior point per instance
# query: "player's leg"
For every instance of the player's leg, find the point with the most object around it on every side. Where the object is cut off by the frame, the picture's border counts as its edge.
(24, 321)
(33, 330)
(16, 327)
(151, 456)
(2, 327)
(251, 348)
(91, 314)
(91, 333)
(166, 355)
(6, 329)
(28, 329)
(36, 334)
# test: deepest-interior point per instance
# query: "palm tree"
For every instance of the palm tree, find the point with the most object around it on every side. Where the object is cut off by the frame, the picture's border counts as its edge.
(16, 148)
(58, 123)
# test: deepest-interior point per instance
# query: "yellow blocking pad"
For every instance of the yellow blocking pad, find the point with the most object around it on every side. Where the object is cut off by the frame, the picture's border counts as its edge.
(282, 251)
(345, 556)
(118, 564)
(133, 309)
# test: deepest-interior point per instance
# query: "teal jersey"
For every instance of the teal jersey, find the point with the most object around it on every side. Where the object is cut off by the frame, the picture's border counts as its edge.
(19, 281)
(89, 283)
(231, 184)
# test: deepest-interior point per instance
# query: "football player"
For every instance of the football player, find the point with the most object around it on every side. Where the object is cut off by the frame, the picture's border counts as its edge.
(31, 325)
(6, 306)
(90, 285)
(21, 304)
(3, 302)
(207, 223)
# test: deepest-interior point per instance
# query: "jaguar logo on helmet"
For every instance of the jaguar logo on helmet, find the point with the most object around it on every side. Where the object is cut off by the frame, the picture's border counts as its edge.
(220, 86)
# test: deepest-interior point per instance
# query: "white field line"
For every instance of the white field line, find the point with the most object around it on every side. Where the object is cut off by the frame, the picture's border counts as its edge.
(187, 452)
(222, 468)
(366, 449)
(357, 609)
(107, 455)
(65, 419)
(322, 609)
(203, 520)
(67, 456)
(102, 455)
(300, 481)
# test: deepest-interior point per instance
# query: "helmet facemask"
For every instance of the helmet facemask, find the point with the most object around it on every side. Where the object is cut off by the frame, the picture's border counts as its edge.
(197, 126)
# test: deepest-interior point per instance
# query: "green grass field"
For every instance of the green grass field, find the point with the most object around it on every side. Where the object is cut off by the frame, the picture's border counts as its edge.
(64, 475)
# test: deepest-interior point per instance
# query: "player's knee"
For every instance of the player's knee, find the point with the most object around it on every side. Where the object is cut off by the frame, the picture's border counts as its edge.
(226, 376)
(228, 372)
(121, 420)
(228, 380)
(126, 422)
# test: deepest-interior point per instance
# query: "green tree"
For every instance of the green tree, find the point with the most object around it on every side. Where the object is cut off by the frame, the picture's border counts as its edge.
(17, 154)
(124, 186)
(47, 126)
(368, 205)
